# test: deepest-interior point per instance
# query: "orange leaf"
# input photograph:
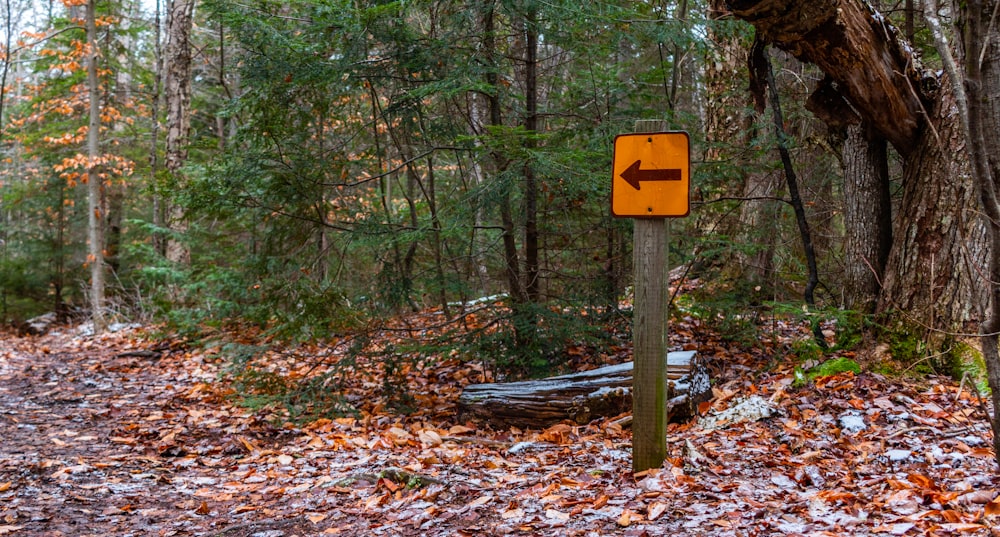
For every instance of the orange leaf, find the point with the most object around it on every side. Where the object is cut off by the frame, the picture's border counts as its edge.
(921, 481)
(202, 509)
(993, 508)
(389, 484)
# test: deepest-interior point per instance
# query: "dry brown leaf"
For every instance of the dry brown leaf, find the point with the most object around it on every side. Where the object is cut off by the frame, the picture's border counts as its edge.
(992, 508)
(482, 500)
(247, 444)
(553, 514)
(512, 513)
(430, 437)
(202, 509)
(979, 497)
(655, 510)
(921, 481)
(962, 527)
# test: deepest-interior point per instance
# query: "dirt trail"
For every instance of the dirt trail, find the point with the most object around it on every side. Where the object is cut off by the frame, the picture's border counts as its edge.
(94, 443)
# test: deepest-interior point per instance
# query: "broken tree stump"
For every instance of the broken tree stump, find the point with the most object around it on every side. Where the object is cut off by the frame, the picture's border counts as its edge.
(584, 396)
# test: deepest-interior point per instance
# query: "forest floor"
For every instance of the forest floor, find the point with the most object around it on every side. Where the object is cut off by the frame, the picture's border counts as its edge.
(123, 435)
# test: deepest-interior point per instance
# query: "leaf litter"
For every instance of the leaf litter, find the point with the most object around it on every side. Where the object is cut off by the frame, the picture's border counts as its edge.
(122, 435)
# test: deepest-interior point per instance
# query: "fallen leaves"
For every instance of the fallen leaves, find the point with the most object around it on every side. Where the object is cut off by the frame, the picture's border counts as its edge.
(161, 445)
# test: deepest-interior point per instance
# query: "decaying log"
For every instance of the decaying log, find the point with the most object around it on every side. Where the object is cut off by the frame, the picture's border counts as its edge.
(37, 326)
(583, 396)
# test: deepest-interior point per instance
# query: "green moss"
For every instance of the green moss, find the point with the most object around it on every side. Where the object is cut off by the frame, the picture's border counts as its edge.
(966, 360)
(830, 367)
(833, 367)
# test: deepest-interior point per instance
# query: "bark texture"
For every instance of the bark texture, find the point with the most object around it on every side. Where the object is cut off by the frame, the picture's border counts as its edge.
(95, 184)
(977, 81)
(177, 89)
(867, 216)
(939, 241)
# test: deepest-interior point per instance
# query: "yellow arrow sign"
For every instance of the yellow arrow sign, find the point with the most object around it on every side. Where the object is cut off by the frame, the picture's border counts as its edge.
(651, 175)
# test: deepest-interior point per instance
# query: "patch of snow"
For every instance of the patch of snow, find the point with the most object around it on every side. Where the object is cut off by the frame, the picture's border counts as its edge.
(480, 300)
(903, 502)
(604, 391)
(939, 454)
(899, 455)
(126, 488)
(796, 528)
(902, 416)
(852, 423)
(900, 528)
(822, 512)
(610, 512)
(520, 447)
(87, 328)
(970, 440)
(783, 481)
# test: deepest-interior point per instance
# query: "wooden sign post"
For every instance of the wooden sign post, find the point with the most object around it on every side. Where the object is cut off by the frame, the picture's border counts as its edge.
(650, 183)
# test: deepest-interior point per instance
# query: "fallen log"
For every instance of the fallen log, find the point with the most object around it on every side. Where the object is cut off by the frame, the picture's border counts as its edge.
(37, 326)
(582, 397)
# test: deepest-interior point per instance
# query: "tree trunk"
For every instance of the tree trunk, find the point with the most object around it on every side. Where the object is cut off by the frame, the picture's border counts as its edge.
(939, 243)
(976, 78)
(532, 285)
(867, 216)
(119, 96)
(867, 197)
(938, 240)
(95, 184)
(159, 241)
(983, 84)
(178, 94)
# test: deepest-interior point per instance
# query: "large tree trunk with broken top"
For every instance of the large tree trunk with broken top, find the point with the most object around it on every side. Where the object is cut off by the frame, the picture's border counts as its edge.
(937, 245)
(582, 397)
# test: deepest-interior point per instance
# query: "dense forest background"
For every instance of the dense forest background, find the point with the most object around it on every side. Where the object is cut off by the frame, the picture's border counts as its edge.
(317, 166)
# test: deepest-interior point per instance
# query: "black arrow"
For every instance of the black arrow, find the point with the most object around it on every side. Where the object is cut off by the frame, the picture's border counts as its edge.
(633, 175)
